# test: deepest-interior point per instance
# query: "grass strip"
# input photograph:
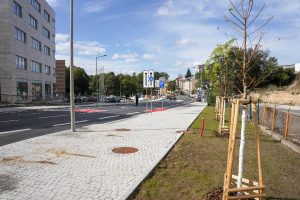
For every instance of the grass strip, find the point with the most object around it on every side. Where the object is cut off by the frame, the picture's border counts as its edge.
(196, 166)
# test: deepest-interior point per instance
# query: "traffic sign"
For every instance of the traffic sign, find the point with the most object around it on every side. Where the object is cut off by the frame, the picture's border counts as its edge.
(148, 79)
(161, 84)
(156, 83)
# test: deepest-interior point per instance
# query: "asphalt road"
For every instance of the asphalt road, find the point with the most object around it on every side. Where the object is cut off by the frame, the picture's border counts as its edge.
(17, 125)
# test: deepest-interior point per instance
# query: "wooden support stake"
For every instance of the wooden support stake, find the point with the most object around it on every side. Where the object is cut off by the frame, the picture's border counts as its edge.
(256, 132)
(256, 191)
(247, 188)
(264, 115)
(251, 196)
(286, 132)
(273, 119)
(231, 147)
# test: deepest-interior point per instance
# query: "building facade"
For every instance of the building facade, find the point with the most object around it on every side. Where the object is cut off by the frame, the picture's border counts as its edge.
(187, 85)
(59, 87)
(27, 50)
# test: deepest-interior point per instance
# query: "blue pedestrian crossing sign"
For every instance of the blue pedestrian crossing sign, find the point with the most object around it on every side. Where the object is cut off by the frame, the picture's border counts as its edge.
(161, 84)
(148, 79)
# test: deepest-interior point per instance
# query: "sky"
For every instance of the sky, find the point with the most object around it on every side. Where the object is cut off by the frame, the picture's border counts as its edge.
(166, 35)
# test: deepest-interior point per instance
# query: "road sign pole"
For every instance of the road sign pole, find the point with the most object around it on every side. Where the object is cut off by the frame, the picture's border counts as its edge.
(151, 100)
(146, 101)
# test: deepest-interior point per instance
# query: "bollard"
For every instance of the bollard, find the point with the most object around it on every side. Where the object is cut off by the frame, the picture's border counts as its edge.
(202, 128)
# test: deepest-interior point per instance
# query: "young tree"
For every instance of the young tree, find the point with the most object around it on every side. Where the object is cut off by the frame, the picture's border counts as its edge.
(242, 19)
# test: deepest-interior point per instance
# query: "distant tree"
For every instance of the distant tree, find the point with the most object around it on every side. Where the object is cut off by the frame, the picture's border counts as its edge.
(81, 81)
(172, 85)
(188, 74)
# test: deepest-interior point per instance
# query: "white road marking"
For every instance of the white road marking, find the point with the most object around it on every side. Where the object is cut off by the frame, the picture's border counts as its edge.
(15, 131)
(133, 113)
(69, 123)
(53, 116)
(109, 117)
(12, 120)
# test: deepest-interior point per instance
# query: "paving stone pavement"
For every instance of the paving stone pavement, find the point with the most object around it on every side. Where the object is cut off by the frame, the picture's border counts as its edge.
(82, 165)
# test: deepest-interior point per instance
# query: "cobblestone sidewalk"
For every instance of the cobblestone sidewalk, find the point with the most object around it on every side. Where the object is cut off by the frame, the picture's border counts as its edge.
(82, 165)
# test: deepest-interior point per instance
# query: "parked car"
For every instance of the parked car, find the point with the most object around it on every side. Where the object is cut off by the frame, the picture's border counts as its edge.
(111, 99)
(171, 97)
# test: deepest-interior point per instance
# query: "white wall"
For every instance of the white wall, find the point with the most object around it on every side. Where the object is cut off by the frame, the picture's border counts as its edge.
(297, 67)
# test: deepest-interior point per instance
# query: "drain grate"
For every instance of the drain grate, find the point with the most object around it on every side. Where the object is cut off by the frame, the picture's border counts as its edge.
(125, 150)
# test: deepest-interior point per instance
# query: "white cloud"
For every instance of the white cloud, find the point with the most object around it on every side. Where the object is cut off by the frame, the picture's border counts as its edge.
(83, 48)
(169, 9)
(60, 37)
(148, 56)
(127, 57)
(54, 3)
(96, 6)
(185, 42)
(131, 60)
(89, 48)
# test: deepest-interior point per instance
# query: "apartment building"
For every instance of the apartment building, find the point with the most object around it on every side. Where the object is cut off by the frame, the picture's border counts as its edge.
(187, 85)
(27, 50)
(59, 87)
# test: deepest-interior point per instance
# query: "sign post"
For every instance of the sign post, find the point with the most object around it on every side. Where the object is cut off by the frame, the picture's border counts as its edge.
(148, 82)
(162, 86)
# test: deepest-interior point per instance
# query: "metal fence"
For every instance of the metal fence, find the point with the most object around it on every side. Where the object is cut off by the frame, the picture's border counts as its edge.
(57, 98)
(282, 121)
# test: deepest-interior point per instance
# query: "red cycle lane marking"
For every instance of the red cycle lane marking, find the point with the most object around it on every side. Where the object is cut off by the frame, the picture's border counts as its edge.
(88, 111)
(158, 110)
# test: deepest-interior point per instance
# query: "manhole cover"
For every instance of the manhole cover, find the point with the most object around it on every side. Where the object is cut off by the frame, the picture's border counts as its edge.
(125, 150)
(122, 129)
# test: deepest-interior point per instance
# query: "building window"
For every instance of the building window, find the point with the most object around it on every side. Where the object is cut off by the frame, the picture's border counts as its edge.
(36, 44)
(17, 9)
(46, 32)
(36, 67)
(20, 35)
(47, 69)
(47, 50)
(22, 90)
(36, 5)
(53, 54)
(33, 22)
(54, 71)
(46, 16)
(47, 91)
(53, 23)
(21, 63)
(36, 91)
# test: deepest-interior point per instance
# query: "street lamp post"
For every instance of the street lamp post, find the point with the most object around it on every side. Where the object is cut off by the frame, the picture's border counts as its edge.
(72, 110)
(98, 82)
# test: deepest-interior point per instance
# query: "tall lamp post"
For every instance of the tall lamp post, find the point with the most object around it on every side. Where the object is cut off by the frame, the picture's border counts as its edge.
(72, 110)
(98, 82)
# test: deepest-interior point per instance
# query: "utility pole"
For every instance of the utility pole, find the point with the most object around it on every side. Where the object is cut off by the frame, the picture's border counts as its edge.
(72, 110)
(98, 82)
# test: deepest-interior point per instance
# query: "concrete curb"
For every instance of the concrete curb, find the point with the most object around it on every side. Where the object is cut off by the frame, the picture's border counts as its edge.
(279, 138)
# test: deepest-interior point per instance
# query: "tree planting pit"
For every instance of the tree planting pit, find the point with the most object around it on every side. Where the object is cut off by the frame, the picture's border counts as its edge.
(125, 150)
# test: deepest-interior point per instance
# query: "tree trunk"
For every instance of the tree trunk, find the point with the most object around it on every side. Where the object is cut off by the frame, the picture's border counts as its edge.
(242, 146)
(244, 112)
